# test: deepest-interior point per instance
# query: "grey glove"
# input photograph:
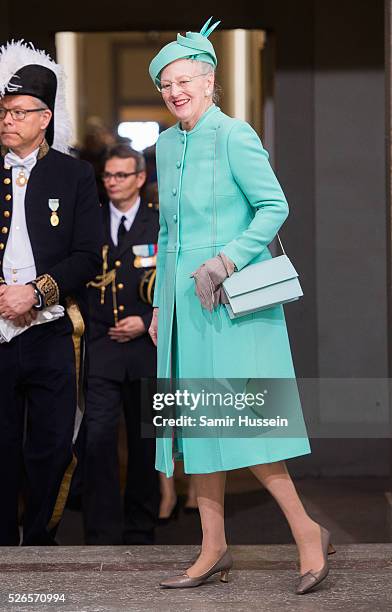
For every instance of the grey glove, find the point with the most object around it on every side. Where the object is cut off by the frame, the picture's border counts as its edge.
(209, 278)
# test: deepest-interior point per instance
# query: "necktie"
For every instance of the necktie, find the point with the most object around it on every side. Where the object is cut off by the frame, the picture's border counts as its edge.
(122, 231)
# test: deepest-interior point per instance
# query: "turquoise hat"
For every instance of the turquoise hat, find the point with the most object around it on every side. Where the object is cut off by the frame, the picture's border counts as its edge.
(193, 45)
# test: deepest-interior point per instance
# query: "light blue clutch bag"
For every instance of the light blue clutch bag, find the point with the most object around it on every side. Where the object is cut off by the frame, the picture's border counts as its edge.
(262, 285)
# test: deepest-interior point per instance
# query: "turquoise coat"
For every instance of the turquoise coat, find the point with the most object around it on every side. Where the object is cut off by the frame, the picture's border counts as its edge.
(218, 192)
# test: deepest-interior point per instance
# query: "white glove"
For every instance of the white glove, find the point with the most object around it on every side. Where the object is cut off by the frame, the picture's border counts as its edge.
(8, 330)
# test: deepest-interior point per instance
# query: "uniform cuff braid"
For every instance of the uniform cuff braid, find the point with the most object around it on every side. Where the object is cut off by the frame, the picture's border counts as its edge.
(49, 289)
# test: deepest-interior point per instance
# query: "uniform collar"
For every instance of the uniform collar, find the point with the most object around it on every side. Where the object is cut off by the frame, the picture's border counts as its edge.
(130, 214)
(43, 150)
(211, 110)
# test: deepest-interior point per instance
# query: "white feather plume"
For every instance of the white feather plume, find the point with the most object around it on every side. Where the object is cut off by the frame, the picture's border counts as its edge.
(16, 54)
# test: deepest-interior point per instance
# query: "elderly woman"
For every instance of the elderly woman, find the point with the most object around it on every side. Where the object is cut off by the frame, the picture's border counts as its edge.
(220, 206)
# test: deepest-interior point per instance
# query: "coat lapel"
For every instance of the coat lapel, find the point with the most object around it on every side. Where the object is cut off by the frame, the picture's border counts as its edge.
(107, 228)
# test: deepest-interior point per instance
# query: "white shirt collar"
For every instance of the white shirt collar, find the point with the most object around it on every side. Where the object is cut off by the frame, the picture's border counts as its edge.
(28, 162)
(130, 214)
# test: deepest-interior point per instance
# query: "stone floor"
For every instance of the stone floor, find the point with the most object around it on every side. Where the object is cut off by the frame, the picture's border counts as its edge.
(101, 579)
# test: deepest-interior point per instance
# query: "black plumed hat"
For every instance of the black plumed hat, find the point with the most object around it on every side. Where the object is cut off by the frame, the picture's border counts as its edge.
(40, 82)
(25, 70)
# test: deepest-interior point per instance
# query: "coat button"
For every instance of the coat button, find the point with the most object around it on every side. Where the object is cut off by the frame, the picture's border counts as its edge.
(120, 286)
(178, 164)
(175, 218)
(174, 191)
(8, 197)
(121, 308)
(182, 139)
(1, 246)
(6, 213)
(117, 263)
(4, 230)
(7, 181)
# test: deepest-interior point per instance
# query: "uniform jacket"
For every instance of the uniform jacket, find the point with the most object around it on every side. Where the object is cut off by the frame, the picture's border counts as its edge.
(218, 192)
(70, 251)
(137, 358)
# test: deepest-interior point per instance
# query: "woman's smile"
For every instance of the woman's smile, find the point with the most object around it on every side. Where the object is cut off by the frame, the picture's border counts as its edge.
(181, 102)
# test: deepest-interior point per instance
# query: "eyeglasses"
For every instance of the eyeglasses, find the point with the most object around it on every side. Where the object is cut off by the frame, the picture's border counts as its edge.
(119, 177)
(184, 84)
(18, 114)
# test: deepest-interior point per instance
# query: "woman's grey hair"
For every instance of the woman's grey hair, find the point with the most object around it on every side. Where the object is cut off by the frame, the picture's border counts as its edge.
(207, 68)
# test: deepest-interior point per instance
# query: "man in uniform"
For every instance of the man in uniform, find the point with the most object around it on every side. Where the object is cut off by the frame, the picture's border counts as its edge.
(122, 353)
(50, 242)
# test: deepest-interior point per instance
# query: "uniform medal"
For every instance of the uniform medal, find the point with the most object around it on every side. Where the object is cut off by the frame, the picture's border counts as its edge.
(145, 255)
(54, 218)
(145, 262)
(145, 250)
(21, 179)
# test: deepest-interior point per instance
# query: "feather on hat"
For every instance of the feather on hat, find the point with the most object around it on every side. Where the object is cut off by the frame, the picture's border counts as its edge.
(193, 45)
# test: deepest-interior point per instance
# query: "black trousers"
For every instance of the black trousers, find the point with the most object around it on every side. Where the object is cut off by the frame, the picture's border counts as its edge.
(107, 518)
(37, 413)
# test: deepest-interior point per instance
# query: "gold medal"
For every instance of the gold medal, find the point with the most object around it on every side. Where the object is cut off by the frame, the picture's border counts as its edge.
(145, 262)
(54, 204)
(54, 219)
(21, 179)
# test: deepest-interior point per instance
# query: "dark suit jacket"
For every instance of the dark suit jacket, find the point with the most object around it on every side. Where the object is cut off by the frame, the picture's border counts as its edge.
(70, 252)
(136, 358)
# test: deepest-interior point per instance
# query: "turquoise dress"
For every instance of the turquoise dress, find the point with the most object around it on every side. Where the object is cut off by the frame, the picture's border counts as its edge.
(218, 192)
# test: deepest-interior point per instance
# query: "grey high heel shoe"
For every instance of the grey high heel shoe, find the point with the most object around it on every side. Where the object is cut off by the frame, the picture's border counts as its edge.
(223, 565)
(311, 579)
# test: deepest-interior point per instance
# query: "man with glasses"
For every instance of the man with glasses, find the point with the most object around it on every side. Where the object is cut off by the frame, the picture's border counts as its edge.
(122, 353)
(50, 242)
